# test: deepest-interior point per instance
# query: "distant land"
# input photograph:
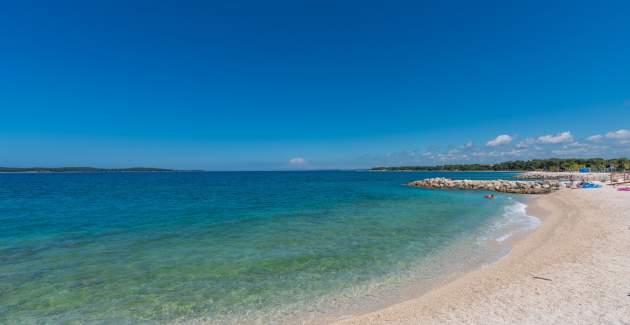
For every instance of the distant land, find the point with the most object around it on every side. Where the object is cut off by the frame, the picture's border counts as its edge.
(80, 170)
(552, 164)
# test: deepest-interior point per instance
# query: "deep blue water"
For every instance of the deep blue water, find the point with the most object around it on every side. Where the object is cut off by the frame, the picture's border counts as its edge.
(164, 247)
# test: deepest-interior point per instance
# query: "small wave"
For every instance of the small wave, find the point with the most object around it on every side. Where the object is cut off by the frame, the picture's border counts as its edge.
(513, 220)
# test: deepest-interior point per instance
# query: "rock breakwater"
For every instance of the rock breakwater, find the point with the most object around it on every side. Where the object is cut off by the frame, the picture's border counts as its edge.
(522, 187)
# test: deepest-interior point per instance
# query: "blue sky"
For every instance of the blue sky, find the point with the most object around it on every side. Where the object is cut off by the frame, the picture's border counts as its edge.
(311, 84)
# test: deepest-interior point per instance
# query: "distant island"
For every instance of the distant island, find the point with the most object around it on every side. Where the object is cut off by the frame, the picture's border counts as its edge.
(80, 170)
(552, 164)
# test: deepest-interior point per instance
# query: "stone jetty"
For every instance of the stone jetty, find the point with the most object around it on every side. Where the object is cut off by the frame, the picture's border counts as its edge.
(522, 187)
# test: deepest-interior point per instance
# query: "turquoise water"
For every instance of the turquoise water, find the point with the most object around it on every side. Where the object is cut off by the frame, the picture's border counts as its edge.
(228, 247)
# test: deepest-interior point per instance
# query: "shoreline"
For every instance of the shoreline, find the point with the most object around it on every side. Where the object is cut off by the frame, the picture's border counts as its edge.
(558, 272)
(442, 267)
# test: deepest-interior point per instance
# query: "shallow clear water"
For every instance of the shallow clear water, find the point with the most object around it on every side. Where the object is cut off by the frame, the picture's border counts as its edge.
(225, 247)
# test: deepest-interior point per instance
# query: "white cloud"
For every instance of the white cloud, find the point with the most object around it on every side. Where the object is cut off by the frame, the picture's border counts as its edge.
(575, 145)
(619, 134)
(508, 147)
(525, 143)
(513, 152)
(297, 161)
(499, 140)
(558, 138)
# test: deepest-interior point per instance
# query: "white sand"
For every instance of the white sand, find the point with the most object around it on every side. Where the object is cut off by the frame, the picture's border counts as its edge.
(583, 246)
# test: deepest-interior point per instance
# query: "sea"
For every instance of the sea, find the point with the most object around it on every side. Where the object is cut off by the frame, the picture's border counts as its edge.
(237, 247)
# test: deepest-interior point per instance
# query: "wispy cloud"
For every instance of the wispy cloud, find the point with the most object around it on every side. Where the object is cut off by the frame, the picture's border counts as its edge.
(501, 148)
(558, 138)
(595, 138)
(297, 161)
(619, 134)
(500, 140)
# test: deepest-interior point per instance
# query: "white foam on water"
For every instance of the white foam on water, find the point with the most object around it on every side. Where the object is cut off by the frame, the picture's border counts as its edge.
(513, 220)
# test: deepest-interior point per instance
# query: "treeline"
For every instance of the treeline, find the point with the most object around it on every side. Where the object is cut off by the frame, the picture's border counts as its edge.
(78, 169)
(552, 164)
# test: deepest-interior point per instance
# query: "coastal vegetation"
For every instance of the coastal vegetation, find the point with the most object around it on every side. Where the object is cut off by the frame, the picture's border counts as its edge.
(552, 164)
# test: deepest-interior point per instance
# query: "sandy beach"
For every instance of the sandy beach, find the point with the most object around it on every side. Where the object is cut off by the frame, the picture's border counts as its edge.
(573, 269)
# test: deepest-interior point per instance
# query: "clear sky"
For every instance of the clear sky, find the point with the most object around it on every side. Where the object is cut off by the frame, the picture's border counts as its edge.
(311, 84)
